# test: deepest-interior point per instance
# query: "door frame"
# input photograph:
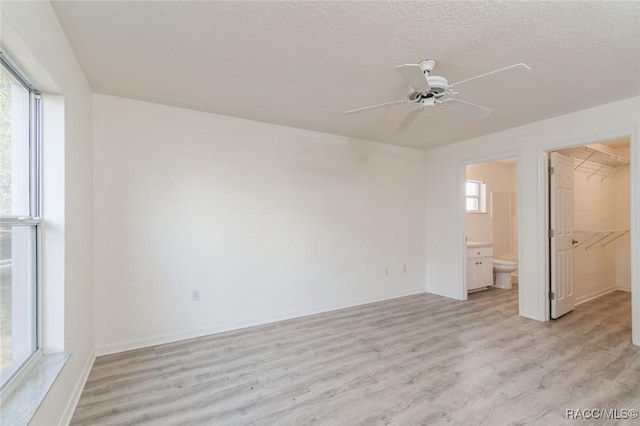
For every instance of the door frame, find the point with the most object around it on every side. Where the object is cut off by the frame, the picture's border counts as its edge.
(634, 224)
(462, 212)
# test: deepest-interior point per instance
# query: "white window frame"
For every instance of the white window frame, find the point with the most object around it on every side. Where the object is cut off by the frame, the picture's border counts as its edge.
(481, 197)
(33, 219)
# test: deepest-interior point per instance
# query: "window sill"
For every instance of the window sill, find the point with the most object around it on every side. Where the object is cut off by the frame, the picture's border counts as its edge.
(22, 403)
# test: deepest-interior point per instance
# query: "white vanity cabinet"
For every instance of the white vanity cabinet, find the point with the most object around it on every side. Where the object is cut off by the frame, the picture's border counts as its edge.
(479, 266)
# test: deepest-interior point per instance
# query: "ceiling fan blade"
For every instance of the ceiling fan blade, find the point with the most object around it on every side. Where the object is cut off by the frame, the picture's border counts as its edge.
(466, 108)
(414, 76)
(499, 76)
(408, 121)
(372, 107)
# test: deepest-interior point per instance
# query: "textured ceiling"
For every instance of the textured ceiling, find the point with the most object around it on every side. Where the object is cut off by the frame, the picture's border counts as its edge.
(302, 64)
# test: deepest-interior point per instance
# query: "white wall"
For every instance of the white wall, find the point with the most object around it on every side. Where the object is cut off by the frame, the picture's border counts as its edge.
(445, 165)
(269, 222)
(495, 225)
(32, 36)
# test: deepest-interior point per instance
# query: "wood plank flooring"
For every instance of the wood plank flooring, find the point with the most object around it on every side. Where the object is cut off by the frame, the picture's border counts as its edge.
(415, 360)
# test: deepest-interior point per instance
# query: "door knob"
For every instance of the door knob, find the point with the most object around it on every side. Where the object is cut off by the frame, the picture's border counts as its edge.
(574, 242)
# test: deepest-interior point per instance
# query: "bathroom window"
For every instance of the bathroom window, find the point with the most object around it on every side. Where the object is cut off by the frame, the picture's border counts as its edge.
(19, 220)
(476, 196)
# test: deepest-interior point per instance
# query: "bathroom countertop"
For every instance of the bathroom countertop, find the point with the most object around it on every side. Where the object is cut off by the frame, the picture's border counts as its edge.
(476, 244)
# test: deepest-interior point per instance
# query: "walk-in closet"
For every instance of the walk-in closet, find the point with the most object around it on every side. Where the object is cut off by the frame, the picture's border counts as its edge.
(600, 244)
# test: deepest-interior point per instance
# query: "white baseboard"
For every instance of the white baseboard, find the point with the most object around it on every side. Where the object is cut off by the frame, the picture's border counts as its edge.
(77, 391)
(160, 339)
(443, 294)
(595, 294)
(532, 315)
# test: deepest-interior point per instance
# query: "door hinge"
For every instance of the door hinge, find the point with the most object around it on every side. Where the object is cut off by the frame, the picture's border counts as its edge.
(552, 170)
(552, 296)
(552, 233)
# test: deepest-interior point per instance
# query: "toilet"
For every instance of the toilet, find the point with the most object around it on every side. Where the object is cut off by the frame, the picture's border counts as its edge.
(502, 270)
(514, 274)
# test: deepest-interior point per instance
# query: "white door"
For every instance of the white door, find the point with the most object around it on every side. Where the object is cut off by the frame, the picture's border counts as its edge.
(562, 295)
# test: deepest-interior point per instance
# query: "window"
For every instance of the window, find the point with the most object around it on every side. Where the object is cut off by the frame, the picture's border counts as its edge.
(19, 220)
(476, 196)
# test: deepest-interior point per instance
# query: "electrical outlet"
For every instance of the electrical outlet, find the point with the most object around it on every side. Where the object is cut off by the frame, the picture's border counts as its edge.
(404, 268)
(195, 294)
(386, 270)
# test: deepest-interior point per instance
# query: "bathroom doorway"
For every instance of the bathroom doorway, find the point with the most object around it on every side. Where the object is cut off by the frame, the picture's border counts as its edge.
(491, 220)
(589, 222)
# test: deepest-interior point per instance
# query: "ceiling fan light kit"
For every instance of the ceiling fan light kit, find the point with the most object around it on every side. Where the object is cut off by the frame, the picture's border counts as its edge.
(427, 91)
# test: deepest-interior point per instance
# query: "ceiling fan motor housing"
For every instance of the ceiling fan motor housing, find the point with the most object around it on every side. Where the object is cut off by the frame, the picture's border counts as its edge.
(438, 84)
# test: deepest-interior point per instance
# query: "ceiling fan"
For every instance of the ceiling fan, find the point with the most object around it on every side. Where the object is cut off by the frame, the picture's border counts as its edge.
(430, 91)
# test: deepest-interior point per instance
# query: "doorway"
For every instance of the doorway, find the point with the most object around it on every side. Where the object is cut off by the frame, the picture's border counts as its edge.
(491, 226)
(589, 222)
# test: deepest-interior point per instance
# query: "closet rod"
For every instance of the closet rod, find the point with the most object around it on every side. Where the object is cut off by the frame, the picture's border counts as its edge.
(587, 240)
(618, 236)
(611, 233)
(601, 239)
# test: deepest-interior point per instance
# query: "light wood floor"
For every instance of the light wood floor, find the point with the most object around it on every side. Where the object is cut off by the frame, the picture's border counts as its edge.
(415, 360)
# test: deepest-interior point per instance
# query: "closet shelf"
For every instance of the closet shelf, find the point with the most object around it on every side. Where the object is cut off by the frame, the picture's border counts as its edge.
(602, 237)
(586, 153)
(604, 160)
